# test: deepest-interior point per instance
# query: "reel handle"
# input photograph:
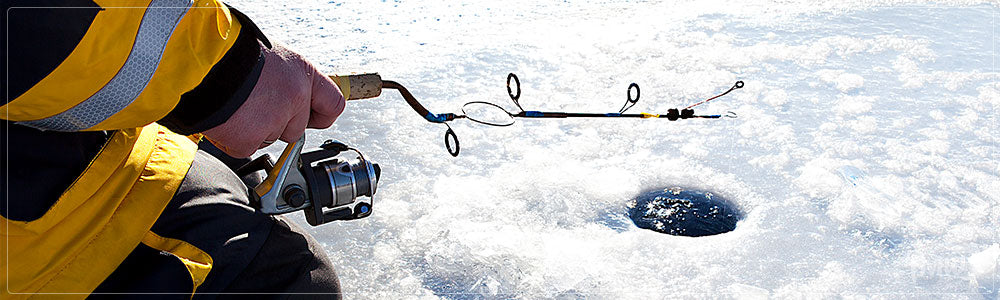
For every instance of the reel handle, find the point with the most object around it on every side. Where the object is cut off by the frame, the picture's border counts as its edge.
(282, 190)
(359, 86)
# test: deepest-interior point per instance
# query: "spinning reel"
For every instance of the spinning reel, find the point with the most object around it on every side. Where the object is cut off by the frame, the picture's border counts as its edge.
(324, 183)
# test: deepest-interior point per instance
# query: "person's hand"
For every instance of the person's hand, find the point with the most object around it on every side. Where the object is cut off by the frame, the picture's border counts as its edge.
(289, 96)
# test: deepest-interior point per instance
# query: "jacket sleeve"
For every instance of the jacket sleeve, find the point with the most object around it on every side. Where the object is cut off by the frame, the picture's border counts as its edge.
(112, 65)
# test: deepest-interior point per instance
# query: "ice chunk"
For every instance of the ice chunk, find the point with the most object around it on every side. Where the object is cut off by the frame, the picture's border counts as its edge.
(985, 268)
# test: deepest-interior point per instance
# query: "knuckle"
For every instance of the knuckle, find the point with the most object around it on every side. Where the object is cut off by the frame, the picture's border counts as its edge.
(324, 123)
(290, 137)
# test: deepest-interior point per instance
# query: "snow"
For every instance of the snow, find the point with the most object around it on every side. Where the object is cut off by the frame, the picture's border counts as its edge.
(905, 92)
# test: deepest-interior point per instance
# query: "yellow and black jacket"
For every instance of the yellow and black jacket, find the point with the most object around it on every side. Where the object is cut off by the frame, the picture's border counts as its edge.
(99, 97)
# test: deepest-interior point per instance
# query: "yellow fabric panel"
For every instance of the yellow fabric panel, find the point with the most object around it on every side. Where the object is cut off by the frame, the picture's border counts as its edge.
(44, 240)
(200, 40)
(93, 63)
(197, 262)
(97, 222)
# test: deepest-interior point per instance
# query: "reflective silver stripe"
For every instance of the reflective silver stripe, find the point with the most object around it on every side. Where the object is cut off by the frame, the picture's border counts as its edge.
(158, 23)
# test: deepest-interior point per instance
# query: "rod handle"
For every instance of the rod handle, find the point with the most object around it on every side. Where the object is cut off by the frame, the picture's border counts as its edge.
(359, 86)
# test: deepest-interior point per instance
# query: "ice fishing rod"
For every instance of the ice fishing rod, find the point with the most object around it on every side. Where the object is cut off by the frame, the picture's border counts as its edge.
(363, 86)
(672, 114)
(335, 182)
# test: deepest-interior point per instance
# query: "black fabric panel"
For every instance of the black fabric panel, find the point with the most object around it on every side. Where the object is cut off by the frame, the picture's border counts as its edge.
(225, 88)
(251, 180)
(290, 262)
(246, 22)
(252, 252)
(211, 211)
(39, 39)
(172, 278)
(40, 165)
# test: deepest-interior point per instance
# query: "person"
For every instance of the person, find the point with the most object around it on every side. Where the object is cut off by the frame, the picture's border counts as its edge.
(106, 192)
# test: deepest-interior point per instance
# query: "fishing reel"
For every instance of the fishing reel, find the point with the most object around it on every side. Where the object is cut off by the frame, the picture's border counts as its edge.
(325, 183)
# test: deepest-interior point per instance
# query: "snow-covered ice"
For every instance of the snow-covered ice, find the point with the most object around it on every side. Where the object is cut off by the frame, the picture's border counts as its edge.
(903, 94)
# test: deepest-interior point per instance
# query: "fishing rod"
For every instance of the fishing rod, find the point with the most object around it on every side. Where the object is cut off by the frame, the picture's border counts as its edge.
(672, 114)
(335, 182)
(370, 85)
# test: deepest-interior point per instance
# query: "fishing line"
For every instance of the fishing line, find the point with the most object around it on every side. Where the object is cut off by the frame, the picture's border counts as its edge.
(492, 114)
(738, 85)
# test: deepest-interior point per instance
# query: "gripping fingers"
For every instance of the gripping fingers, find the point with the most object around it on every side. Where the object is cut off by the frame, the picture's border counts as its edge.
(327, 102)
(295, 127)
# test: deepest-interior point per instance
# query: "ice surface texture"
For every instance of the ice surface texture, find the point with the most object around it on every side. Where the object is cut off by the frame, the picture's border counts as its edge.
(905, 91)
